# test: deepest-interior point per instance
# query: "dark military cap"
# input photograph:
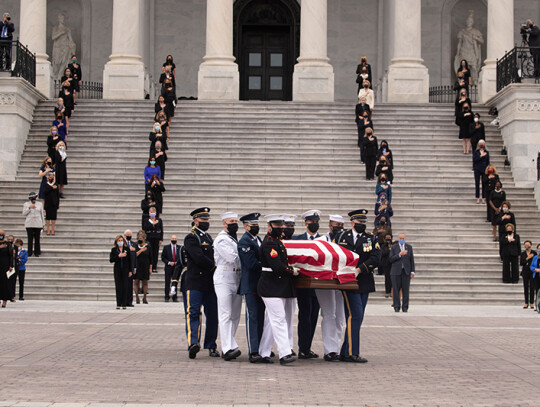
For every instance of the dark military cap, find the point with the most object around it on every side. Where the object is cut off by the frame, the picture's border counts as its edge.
(251, 218)
(359, 214)
(203, 213)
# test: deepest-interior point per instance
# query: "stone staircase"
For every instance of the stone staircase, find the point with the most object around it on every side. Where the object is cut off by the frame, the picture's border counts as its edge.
(267, 157)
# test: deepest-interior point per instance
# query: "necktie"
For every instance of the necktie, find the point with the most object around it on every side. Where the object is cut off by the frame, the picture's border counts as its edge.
(174, 253)
(312, 237)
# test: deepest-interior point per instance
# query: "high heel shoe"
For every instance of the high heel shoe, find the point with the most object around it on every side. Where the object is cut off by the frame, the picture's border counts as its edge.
(526, 306)
(144, 301)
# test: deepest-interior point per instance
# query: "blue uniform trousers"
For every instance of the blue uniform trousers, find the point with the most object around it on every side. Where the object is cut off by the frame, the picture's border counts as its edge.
(254, 321)
(355, 305)
(195, 300)
(308, 313)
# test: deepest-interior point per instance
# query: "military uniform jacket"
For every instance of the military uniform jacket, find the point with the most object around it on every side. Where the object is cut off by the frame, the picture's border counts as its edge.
(279, 281)
(200, 261)
(248, 251)
(368, 249)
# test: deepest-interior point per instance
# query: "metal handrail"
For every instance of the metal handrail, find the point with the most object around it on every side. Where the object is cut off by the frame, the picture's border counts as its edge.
(17, 59)
(518, 64)
(447, 94)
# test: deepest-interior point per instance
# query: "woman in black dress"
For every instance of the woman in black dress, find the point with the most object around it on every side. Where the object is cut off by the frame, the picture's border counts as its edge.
(52, 203)
(67, 95)
(60, 168)
(76, 72)
(525, 262)
(68, 80)
(476, 131)
(167, 91)
(46, 168)
(370, 147)
(157, 188)
(491, 177)
(384, 149)
(510, 253)
(363, 73)
(169, 61)
(460, 101)
(157, 135)
(147, 203)
(59, 107)
(144, 268)
(154, 234)
(52, 140)
(384, 168)
(505, 217)
(160, 106)
(363, 123)
(161, 157)
(122, 270)
(6, 264)
(465, 71)
(161, 118)
(467, 120)
(496, 198)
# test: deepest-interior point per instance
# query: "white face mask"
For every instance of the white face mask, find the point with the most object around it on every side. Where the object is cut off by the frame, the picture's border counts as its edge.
(505, 209)
(476, 119)
(120, 244)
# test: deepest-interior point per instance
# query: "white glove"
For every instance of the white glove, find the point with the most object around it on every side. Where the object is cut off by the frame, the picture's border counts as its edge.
(296, 271)
(173, 290)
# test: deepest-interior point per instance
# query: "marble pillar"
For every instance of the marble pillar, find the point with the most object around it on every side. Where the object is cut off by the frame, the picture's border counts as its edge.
(218, 74)
(124, 74)
(407, 77)
(500, 40)
(313, 77)
(33, 34)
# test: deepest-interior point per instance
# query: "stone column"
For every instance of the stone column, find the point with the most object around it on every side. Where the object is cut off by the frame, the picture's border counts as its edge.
(500, 39)
(33, 34)
(123, 75)
(408, 78)
(313, 77)
(218, 74)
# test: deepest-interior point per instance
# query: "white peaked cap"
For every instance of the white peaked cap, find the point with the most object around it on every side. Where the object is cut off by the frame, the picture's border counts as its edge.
(274, 217)
(336, 218)
(228, 215)
(289, 218)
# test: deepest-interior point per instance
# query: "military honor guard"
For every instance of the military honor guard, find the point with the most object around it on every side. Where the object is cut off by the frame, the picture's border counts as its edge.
(308, 305)
(226, 284)
(199, 284)
(331, 303)
(366, 246)
(288, 233)
(248, 252)
(276, 288)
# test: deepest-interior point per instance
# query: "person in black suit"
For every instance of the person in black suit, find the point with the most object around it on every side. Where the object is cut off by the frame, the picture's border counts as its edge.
(363, 73)
(505, 217)
(276, 288)
(467, 119)
(534, 45)
(363, 122)
(122, 269)
(308, 305)
(366, 246)
(199, 284)
(170, 255)
(6, 37)
(153, 228)
(370, 153)
(525, 261)
(128, 235)
(511, 248)
(402, 272)
(144, 267)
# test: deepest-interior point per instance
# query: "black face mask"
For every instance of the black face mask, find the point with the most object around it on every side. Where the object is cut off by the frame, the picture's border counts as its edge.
(288, 232)
(313, 227)
(204, 226)
(336, 230)
(389, 241)
(128, 238)
(254, 230)
(173, 241)
(360, 227)
(383, 222)
(232, 228)
(140, 241)
(2, 237)
(276, 232)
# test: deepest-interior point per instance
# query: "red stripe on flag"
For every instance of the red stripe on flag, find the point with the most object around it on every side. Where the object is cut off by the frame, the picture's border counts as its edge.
(335, 255)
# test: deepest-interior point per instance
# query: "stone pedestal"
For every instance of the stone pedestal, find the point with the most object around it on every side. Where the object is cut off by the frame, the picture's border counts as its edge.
(18, 98)
(218, 74)
(124, 74)
(313, 77)
(33, 34)
(500, 39)
(407, 77)
(519, 114)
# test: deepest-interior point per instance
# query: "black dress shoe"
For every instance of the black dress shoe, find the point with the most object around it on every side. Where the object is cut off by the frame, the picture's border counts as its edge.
(37, 255)
(293, 352)
(396, 309)
(232, 354)
(331, 357)
(213, 353)
(354, 359)
(287, 359)
(272, 354)
(405, 310)
(307, 355)
(130, 305)
(193, 350)
(175, 299)
(22, 299)
(166, 300)
(256, 358)
(266, 360)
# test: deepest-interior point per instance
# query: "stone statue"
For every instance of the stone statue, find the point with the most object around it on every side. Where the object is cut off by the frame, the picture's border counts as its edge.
(470, 41)
(63, 47)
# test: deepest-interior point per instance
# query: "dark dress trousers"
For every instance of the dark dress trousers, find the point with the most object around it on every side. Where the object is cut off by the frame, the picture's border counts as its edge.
(510, 256)
(122, 268)
(400, 274)
(170, 254)
(154, 235)
(527, 274)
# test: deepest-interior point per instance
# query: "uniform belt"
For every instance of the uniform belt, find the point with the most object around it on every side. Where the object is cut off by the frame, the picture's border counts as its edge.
(237, 270)
(268, 269)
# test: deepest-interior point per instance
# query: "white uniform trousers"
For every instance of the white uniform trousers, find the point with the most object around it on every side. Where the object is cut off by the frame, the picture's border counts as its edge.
(229, 310)
(278, 323)
(333, 319)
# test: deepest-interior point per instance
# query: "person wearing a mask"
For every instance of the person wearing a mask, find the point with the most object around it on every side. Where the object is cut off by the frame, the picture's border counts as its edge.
(534, 45)
(383, 211)
(366, 246)
(150, 170)
(495, 201)
(308, 305)
(331, 302)
(61, 124)
(157, 189)
(385, 266)
(384, 168)
(122, 269)
(154, 233)
(505, 217)
(169, 62)
(34, 222)
(226, 283)
(156, 135)
(61, 168)
(477, 131)
(6, 267)
(462, 100)
(288, 233)
(66, 93)
(51, 203)
(383, 186)
(480, 163)
(146, 204)
(199, 285)
(45, 169)
(171, 257)
(22, 258)
(144, 252)
(380, 231)
(76, 71)
(133, 253)
(276, 288)
(467, 119)
(367, 93)
(363, 123)
(511, 248)
(371, 147)
(385, 151)
(161, 157)
(402, 272)
(248, 252)
(490, 178)
(525, 262)
(363, 73)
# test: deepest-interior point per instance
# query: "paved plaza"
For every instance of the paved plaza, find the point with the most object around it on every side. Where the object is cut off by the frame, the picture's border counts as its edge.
(87, 353)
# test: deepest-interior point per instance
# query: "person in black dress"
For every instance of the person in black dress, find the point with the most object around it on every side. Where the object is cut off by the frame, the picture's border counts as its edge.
(157, 188)
(46, 168)
(59, 107)
(490, 178)
(157, 135)
(60, 168)
(505, 217)
(384, 168)
(76, 72)
(168, 75)
(465, 72)
(161, 158)
(385, 266)
(462, 99)
(363, 123)
(144, 268)
(51, 204)
(67, 95)
(160, 106)
(52, 140)
(6, 264)
(153, 228)
(476, 131)
(384, 149)
(68, 80)
(147, 203)
(496, 199)
(370, 147)
(167, 91)
(169, 61)
(480, 163)
(161, 118)
(363, 72)
(511, 248)
(467, 120)
(459, 85)
(122, 270)
(525, 262)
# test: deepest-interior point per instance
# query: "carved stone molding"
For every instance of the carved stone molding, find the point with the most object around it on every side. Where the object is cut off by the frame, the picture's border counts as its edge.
(528, 105)
(7, 98)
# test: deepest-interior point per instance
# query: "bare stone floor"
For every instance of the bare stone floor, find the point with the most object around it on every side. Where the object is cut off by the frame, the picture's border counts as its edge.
(80, 354)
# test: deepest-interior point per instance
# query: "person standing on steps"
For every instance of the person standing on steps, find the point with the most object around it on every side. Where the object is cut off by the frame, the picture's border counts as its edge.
(143, 272)
(171, 257)
(199, 284)
(510, 252)
(34, 222)
(51, 203)
(22, 256)
(154, 233)
(495, 201)
(402, 272)
(480, 163)
(6, 265)
(370, 153)
(122, 269)
(525, 261)
(128, 238)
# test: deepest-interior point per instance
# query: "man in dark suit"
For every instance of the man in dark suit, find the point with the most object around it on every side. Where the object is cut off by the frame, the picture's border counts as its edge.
(200, 285)
(6, 36)
(248, 251)
(128, 236)
(366, 246)
(534, 45)
(308, 305)
(402, 271)
(170, 255)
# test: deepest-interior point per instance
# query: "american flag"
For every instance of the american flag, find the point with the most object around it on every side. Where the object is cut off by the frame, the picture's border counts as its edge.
(322, 259)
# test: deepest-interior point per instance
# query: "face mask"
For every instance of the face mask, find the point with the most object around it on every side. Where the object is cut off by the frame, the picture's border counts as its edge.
(2, 237)
(505, 210)
(140, 241)
(401, 241)
(509, 232)
(288, 232)
(383, 222)
(384, 146)
(157, 128)
(366, 86)
(360, 227)
(173, 241)
(337, 230)
(61, 148)
(466, 109)
(490, 171)
(476, 119)
(153, 162)
(313, 227)
(74, 60)
(152, 215)
(120, 244)
(169, 59)
(128, 238)
(149, 197)
(204, 226)
(276, 232)
(527, 248)
(254, 230)
(33, 200)
(388, 241)
(54, 133)
(232, 228)
(383, 180)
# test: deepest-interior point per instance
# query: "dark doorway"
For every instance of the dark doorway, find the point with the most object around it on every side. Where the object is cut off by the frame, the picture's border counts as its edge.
(266, 47)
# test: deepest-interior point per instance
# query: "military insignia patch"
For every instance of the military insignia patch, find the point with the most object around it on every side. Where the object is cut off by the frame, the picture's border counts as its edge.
(246, 249)
(273, 253)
